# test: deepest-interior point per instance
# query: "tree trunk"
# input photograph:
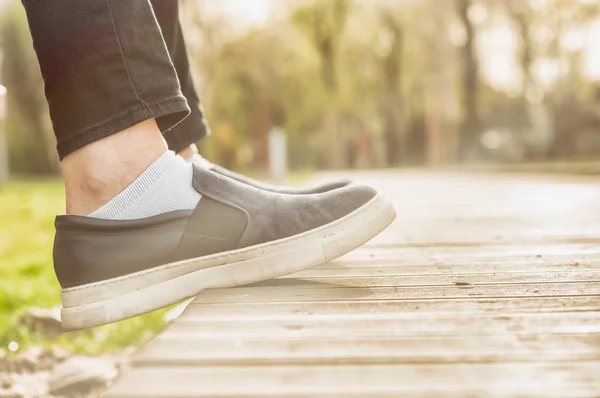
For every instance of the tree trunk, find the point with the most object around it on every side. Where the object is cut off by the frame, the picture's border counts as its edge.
(518, 13)
(439, 90)
(470, 78)
(323, 22)
(396, 151)
(28, 132)
(336, 142)
(3, 149)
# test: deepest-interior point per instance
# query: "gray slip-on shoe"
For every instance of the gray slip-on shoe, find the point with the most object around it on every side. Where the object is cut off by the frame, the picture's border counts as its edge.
(329, 186)
(237, 234)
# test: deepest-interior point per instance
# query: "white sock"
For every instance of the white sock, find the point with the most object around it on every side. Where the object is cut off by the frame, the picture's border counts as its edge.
(198, 160)
(165, 186)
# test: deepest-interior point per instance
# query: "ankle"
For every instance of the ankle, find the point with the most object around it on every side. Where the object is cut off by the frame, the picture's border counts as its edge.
(99, 171)
(189, 151)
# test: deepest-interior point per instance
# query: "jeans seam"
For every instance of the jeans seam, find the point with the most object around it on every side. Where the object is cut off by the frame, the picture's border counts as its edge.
(112, 21)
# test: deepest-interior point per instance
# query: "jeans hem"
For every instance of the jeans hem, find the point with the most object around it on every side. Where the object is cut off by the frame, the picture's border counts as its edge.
(169, 112)
(189, 131)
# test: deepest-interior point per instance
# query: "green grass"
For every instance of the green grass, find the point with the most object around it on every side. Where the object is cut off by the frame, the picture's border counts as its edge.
(27, 211)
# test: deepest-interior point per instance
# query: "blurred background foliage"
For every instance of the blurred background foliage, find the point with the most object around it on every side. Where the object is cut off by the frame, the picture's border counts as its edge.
(29, 135)
(365, 83)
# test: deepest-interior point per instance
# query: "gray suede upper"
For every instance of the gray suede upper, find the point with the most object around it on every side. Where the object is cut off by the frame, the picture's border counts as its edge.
(230, 215)
(273, 216)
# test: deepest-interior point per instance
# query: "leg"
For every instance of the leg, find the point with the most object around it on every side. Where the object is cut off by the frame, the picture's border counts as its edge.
(153, 242)
(182, 137)
(98, 172)
(114, 76)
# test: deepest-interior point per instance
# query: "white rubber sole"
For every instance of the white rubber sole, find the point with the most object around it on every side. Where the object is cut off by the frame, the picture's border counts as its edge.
(115, 299)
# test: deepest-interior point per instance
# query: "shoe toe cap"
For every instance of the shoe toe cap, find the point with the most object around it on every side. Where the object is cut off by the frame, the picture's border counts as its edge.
(345, 200)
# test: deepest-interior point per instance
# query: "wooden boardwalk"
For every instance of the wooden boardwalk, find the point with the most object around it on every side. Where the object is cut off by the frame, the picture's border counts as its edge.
(487, 285)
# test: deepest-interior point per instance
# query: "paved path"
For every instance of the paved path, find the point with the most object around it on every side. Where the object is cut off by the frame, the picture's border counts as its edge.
(485, 285)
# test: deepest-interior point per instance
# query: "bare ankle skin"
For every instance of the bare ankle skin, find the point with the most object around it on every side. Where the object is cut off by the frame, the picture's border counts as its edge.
(189, 151)
(99, 171)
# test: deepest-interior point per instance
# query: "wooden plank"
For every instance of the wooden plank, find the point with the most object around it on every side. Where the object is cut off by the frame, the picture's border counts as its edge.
(506, 252)
(529, 261)
(445, 231)
(555, 379)
(385, 308)
(592, 261)
(377, 268)
(193, 350)
(404, 240)
(398, 293)
(365, 325)
(431, 280)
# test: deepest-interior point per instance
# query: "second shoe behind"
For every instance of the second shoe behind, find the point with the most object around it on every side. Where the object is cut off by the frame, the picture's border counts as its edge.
(330, 186)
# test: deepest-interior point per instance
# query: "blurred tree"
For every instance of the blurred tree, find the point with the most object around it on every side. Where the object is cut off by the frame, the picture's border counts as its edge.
(205, 36)
(471, 123)
(551, 36)
(440, 85)
(323, 22)
(395, 142)
(247, 84)
(520, 13)
(28, 129)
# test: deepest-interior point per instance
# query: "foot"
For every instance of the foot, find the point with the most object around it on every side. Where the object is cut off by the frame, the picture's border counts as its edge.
(200, 161)
(237, 234)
